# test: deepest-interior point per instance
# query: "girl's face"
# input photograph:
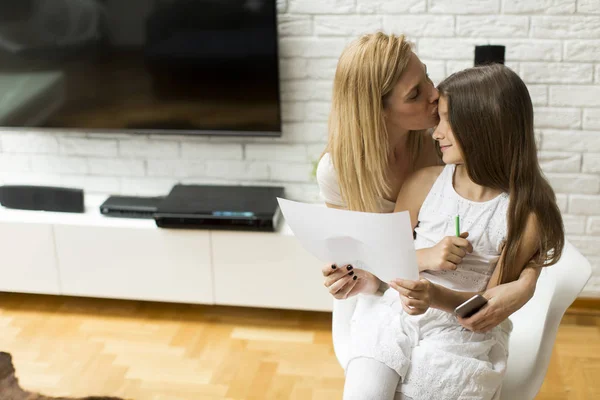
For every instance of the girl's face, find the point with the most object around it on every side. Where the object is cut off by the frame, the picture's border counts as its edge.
(412, 104)
(451, 152)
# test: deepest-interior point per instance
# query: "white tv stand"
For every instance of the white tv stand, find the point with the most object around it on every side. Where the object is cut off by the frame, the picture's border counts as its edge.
(92, 255)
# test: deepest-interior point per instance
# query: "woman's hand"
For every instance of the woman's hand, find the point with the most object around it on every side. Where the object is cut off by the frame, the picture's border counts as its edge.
(503, 300)
(347, 281)
(445, 255)
(416, 296)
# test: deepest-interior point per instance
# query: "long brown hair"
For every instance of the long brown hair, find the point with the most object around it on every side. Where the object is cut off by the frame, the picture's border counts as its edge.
(366, 74)
(491, 116)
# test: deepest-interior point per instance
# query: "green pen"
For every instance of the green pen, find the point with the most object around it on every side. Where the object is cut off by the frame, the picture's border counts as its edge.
(457, 224)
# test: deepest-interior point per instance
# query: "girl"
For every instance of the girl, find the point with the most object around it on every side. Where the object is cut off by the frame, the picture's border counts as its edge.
(412, 342)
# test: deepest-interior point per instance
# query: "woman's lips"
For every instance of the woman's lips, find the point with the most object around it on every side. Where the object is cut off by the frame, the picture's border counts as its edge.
(444, 148)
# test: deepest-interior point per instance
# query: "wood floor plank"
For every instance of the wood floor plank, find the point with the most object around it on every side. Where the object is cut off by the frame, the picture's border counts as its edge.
(155, 351)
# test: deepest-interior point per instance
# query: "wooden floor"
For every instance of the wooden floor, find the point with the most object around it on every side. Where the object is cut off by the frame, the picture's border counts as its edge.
(150, 351)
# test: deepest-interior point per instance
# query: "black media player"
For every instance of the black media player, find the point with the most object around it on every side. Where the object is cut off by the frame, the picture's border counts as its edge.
(253, 208)
(130, 206)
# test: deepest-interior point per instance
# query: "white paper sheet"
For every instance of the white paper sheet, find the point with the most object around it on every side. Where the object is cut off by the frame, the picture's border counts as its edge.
(380, 243)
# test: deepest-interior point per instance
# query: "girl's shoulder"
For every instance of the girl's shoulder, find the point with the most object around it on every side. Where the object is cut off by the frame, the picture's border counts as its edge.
(418, 185)
(427, 176)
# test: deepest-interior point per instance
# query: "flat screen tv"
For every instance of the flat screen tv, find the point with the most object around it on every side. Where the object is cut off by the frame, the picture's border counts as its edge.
(203, 67)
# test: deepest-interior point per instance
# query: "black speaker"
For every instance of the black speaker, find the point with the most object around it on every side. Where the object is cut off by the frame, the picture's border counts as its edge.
(42, 198)
(489, 54)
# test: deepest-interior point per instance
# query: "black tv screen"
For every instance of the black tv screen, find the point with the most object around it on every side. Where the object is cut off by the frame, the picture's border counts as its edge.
(149, 66)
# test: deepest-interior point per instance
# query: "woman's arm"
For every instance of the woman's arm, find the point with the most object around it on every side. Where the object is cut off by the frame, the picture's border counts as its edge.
(423, 294)
(505, 299)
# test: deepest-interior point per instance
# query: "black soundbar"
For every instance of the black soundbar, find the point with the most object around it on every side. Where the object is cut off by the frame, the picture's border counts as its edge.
(42, 198)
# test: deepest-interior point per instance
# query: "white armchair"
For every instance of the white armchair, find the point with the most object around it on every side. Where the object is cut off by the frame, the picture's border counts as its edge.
(534, 325)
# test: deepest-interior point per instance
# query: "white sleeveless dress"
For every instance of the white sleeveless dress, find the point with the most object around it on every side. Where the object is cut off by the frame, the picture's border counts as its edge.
(434, 355)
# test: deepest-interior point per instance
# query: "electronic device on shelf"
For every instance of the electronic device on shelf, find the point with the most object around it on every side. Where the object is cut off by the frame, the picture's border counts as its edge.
(131, 206)
(252, 208)
(42, 198)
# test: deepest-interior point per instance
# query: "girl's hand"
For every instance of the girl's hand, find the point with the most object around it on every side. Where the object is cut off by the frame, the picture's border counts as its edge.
(346, 281)
(446, 255)
(416, 296)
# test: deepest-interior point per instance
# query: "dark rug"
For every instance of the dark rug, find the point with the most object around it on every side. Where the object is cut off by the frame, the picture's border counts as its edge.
(10, 389)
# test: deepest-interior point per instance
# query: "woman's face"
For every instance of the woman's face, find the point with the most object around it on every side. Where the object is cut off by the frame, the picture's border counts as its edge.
(451, 152)
(412, 104)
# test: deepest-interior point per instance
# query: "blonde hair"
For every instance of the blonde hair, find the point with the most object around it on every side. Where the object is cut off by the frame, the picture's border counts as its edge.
(358, 144)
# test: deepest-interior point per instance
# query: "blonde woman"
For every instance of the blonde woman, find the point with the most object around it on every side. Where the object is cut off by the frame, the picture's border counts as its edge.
(383, 104)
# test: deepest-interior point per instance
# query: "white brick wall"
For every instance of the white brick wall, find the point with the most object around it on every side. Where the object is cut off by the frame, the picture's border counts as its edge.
(559, 162)
(321, 7)
(588, 6)
(553, 44)
(56, 164)
(582, 50)
(212, 151)
(347, 25)
(591, 163)
(136, 147)
(419, 25)
(533, 49)
(464, 7)
(574, 183)
(544, 72)
(390, 6)
(539, 94)
(591, 118)
(539, 6)
(177, 168)
(584, 204)
(593, 226)
(14, 163)
(28, 143)
(496, 26)
(82, 146)
(555, 117)
(572, 27)
(574, 224)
